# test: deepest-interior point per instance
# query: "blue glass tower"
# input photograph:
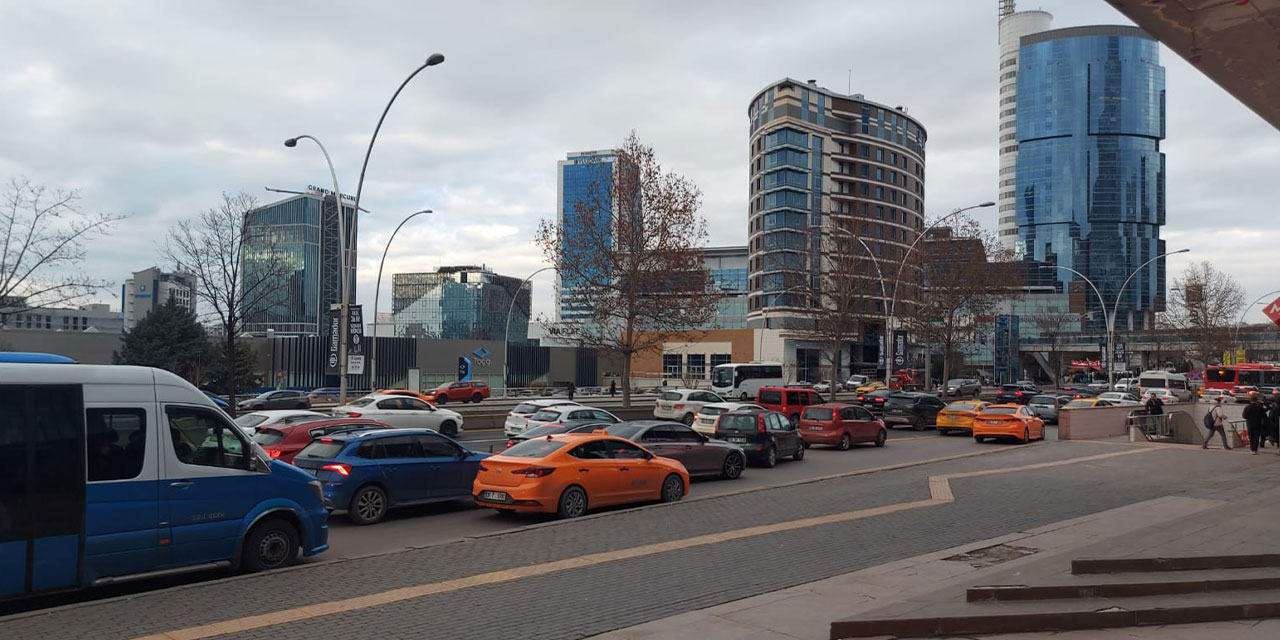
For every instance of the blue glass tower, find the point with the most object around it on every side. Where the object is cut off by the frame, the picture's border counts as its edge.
(584, 179)
(1090, 174)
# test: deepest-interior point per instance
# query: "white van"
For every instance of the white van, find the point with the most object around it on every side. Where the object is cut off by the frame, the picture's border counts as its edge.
(111, 473)
(1176, 383)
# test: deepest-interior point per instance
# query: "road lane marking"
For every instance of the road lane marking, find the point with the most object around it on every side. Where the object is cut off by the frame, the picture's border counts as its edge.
(939, 493)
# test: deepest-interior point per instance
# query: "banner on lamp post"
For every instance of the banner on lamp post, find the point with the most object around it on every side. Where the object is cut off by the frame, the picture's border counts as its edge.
(355, 340)
(899, 348)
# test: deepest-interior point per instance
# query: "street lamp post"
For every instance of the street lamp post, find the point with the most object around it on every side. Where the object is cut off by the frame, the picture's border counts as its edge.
(897, 279)
(345, 286)
(1110, 317)
(1235, 333)
(432, 60)
(506, 333)
(377, 289)
(879, 274)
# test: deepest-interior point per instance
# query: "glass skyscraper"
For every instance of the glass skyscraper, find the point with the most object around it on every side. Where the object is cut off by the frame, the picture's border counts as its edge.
(302, 233)
(459, 303)
(583, 181)
(1090, 174)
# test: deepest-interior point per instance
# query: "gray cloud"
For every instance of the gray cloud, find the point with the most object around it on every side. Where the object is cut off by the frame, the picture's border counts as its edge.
(153, 109)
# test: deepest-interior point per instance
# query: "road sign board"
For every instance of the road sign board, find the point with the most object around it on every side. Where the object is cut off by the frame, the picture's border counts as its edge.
(1273, 310)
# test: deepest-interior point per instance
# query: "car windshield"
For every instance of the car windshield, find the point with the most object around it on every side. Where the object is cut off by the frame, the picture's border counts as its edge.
(955, 383)
(268, 437)
(1011, 387)
(858, 380)
(1042, 400)
(322, 449)
(671, 395)
(816, 413)
(526, 407)
(250, 420)
(1000, 410)
(365, 401)
(544, 430)
(961, 406)
(1079, 403)
(738, 422)
(545, 415)
(540, 448)
(624, 430)
(713, 411)
(1151, 382)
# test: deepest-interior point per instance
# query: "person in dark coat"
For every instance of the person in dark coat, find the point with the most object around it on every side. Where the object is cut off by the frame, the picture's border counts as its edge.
(1155, 406)
(1255, 419)
(572, 387)
(1273, 422)
(613, 384)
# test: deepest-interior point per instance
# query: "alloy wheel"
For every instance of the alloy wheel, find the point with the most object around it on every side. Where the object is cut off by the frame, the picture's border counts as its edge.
(672, 488)
(845, 442)
(733, 464)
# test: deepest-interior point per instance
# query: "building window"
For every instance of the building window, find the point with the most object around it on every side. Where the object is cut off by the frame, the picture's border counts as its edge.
(671, 365)
(718, 359)
(697, 366)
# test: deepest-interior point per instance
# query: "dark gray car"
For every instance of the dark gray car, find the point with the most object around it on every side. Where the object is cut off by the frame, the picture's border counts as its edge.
(701, 456)
(1046, 407)
(963, 388)
(282, 399)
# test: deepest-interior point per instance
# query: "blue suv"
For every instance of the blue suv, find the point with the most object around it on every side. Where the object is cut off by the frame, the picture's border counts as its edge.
(368, 472)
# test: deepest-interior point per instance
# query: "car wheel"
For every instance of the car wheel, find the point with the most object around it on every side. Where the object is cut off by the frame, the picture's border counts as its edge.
(771, 457)
(1026, 435)
(442, 399)
(302, 405)
(573, 503)
(368, 506)
(687, 419)
(881, 437)
(732, 468)
(799, 454)
(979, 439)
(672, 488)
(795, 419)
(476, 398)
(944, 432)
(505, 513)
(845, 442)
(742, 397)
(448, 428)
(917, 424)
(271, 544)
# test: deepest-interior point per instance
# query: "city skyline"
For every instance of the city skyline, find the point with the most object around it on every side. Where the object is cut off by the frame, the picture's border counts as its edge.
(477, 138)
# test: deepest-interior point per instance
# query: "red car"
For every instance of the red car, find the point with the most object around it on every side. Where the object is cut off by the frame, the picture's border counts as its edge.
(789, 401)
(841, 425)
(283, 441)
(457, 392)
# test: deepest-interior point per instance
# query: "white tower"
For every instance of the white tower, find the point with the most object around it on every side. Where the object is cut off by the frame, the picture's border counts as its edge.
(1013, 25)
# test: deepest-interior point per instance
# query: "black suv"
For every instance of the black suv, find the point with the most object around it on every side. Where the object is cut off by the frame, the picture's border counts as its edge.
(1016, 394)
(764, 436)
(916, 409)
(874, 400)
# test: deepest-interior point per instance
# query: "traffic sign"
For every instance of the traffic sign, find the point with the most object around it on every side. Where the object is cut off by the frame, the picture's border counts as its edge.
(1273, 311)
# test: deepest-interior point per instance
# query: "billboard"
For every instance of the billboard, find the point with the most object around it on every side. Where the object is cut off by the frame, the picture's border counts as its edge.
(899, 348)
(355, 341)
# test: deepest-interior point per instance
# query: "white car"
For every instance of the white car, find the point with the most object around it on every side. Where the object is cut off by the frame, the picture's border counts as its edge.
(824, 386)
(682, 404)
(570, 415)
(518, 417)
(403, 411)
(249, 422)
(1119, 398)
(1125, 384)
(856, 381)
(1166, 396)
(709, 414)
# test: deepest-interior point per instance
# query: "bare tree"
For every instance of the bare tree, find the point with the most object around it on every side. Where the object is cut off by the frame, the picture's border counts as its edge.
(959, 286)
(45, 234)
(630, 259)
(1205, 304)
(1053, 324)
(851, 278)
(238, 270)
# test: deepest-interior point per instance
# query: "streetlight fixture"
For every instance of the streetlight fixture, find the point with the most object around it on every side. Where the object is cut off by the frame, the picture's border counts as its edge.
(897, 280)
(345, 286)
(506, 333)
(432, 60)
(1110, 317)
(377, 289)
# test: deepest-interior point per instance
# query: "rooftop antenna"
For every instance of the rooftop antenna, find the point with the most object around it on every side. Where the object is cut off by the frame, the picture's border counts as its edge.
(850, 90)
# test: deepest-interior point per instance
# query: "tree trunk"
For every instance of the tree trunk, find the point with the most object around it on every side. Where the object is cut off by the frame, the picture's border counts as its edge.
(231, 372)
(628, 346)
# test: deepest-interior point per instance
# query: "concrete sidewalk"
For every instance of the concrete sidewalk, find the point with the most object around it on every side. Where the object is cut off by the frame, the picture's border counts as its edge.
(1169, 526)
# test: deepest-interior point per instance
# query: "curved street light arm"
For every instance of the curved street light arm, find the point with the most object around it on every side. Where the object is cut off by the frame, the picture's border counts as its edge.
(1235, 333)
(506, 333)
(377, 289)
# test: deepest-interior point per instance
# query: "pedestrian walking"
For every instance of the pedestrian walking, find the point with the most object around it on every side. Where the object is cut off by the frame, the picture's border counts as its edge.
(613, 388)
(572, 387)
(1216, 421)
(1273, 422)
(1255, 420)
(1155, 406)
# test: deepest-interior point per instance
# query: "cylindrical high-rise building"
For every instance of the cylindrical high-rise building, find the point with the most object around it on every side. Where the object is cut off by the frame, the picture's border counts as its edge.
(825, 164)
(1013, 25)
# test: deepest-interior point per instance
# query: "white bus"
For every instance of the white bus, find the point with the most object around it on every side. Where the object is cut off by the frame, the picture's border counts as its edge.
(1175, 382)
(742, 381)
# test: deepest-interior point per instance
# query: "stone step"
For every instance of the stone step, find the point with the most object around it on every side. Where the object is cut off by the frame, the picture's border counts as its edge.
(933, 619)
(1183, 563)
(1132, 587)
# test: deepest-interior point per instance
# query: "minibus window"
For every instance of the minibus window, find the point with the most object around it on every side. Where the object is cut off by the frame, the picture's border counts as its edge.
(203, 438)
(115, 443)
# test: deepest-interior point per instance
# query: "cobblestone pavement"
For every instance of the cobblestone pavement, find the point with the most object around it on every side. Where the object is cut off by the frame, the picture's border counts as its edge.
(607, 595)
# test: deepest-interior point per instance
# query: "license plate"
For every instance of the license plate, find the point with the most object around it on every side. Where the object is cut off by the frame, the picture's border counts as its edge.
(738, 440)
(997, 422)
(815, 428)
(495, 496)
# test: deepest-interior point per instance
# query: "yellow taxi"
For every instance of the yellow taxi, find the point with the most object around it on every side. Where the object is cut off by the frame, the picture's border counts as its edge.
(1007, 421)
(1087, 402)
(958, 416)
(874, 385)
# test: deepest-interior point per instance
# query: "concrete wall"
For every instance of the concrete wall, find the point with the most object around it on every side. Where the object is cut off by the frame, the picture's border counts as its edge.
(1095, 423)
(87, 348)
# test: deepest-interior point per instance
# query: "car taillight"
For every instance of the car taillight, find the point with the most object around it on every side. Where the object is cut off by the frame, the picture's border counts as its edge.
(353, 415)
(534, 472)
(879, 399)
(343, 470)
(760, 424)
(326, 440)
(511, 443)
(274, 453)
(1079, 396)
(679, 406)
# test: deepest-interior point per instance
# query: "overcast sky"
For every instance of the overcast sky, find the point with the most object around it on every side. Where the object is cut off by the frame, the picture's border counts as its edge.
(151, 109)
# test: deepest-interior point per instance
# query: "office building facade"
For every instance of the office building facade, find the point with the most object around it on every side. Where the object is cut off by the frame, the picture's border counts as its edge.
(583, 182)
(91, 318)
(828, 169)
(460, 303)
(151, 288)
(1090, 174)
(1013, 25)
(294, 244)
(727, 267)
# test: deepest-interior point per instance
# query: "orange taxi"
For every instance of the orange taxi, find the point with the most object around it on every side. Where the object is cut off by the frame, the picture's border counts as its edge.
(958, 416)
(409, 394)
(567, 474)
(1007, 421)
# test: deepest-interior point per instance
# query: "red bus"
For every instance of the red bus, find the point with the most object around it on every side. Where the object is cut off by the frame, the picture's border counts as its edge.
(1248, 373)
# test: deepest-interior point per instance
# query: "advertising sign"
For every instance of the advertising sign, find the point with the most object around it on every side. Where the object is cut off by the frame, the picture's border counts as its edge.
(464, 369)
(355, 342)
(880, 356)
(1273, 311)
(899, 348)
(331, 349)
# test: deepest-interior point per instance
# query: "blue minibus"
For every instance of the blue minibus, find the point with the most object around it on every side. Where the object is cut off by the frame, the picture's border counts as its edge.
(114, 473)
